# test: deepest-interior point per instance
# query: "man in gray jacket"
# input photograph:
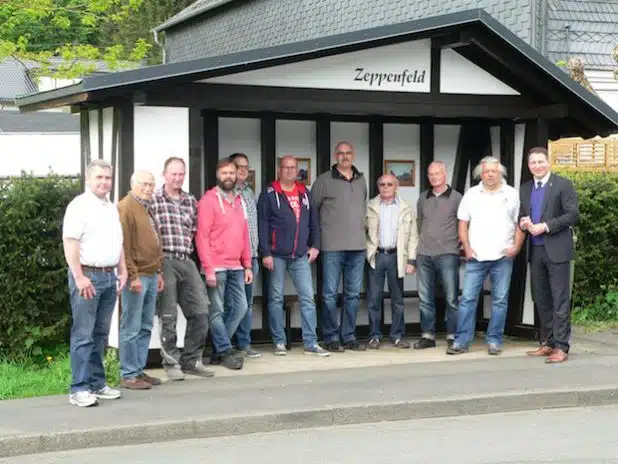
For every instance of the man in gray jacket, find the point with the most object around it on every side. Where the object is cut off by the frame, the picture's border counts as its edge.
(340, 197)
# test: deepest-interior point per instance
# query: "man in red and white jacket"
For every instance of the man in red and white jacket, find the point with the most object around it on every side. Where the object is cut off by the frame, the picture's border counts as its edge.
(223, 246)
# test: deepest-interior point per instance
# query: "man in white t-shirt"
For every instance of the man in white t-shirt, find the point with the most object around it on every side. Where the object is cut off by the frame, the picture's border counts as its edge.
(92, 239)
(488, 231)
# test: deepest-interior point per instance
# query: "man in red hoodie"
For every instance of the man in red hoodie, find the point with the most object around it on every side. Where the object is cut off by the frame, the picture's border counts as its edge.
(222, 242)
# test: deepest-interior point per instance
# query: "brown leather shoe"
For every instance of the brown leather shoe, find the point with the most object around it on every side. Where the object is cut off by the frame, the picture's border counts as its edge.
(151, 380)
(135, 384)
(543, 350)
(557, 356)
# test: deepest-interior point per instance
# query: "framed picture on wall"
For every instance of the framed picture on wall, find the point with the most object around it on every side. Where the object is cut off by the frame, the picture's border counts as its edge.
(304, 170)
(251, 179)
(403, 170)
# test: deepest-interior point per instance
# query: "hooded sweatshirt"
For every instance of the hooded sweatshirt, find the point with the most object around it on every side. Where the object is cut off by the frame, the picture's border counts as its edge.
(222, 237)
(287, 222)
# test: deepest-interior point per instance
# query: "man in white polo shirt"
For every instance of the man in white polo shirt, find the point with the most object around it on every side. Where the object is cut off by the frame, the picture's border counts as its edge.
(92, 238)
(488, 230)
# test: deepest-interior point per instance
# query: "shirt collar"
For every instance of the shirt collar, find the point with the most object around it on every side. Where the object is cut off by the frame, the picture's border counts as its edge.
(183, 194)
(501, 189)
(337, 175)
(144, 203)
(91, 194)
(543, 180)
(394, 202)
(445, 194)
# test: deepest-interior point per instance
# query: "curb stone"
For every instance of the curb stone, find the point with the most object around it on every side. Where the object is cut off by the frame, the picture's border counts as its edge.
(290, 420)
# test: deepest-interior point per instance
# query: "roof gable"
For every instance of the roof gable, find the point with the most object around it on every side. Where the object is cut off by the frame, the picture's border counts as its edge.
(480, 38)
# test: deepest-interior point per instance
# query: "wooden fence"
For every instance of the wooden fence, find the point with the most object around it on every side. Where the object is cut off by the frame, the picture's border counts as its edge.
(585, 155)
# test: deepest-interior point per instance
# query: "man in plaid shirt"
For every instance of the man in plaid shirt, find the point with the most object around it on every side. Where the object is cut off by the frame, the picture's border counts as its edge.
(175, 215)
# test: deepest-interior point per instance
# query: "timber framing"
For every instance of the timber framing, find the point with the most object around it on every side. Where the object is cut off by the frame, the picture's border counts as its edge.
(546, 91)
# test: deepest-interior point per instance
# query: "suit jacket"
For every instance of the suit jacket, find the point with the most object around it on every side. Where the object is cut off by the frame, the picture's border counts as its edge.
(560, 211)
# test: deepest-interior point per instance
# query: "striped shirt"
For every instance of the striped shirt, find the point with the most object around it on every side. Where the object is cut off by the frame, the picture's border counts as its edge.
(249, 198)
(389, 216)
(176, 221)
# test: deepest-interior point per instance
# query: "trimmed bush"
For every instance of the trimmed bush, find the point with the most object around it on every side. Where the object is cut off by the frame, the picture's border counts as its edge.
(595, 288)
(34, 305)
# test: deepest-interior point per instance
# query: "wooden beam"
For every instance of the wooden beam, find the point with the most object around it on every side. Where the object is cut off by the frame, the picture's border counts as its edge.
(435, 66)
(210, 133)
(322, 143)
(507, 149)
(84, 130)
(427, 144)
(126, 147)
(196, 152)
(114, 154)
(376, 154)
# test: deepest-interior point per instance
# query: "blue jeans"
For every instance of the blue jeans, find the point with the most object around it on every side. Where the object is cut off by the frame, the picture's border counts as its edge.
(430, 270)
(138, 311)
(243, 332)
(223, 326)
(385, 268)
(90, 329)
(300, 273)
(476, 272)
(351, 264)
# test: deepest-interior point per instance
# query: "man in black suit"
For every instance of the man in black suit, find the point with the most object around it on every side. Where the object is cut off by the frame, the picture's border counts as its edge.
(549, 210)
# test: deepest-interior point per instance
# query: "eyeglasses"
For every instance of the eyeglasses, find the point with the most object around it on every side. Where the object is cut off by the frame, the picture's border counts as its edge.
(289, 167)
(344, 152)
(386, 184)
(242, 166)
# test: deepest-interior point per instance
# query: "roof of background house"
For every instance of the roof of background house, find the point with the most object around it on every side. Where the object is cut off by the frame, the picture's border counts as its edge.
(592, 32)
(41, 121)
(14, 80)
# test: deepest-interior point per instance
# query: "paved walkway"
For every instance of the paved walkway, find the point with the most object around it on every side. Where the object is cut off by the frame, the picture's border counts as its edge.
(299, 391)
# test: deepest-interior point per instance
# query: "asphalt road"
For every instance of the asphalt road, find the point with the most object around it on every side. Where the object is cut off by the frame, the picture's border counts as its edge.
(573, 436)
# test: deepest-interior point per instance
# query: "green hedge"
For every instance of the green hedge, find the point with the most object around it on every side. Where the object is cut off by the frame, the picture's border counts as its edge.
(34, 306)
(595, 288)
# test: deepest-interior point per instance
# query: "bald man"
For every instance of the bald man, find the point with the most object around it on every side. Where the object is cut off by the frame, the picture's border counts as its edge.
(289, 240)
(392, 238)
(144, 258)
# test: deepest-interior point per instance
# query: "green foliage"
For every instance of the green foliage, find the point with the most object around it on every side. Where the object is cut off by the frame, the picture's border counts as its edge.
(39, 29)
(595, 288)
(34, 306)
(138, 26)
(48, 374)
(115, 31)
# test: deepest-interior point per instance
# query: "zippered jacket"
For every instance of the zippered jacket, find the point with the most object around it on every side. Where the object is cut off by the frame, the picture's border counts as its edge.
(279, 234)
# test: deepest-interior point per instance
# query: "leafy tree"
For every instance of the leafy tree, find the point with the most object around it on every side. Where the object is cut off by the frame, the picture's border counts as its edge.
(138, 25)
(68, 29)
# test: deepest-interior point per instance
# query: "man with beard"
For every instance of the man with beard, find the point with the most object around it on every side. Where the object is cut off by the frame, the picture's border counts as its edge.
(223, 246)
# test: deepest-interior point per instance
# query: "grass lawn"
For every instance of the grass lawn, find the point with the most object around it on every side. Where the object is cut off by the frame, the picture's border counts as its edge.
(47, 375)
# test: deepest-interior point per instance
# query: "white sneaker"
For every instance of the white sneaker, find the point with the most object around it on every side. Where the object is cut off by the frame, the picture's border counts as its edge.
(83, 399)
(280, 349)
(107, 393)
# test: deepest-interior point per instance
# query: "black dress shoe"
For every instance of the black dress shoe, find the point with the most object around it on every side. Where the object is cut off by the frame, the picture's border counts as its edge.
(334, 347)
(454, 349)
(424, 343)
(354, 346)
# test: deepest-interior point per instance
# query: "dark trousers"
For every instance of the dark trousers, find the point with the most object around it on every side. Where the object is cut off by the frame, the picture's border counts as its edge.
(184, 287)
(385, 269)
(550, 285)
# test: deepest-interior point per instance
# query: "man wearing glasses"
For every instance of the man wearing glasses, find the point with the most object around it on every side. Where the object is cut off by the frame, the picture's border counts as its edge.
(243, 333)
(340, 197)
(392, 238)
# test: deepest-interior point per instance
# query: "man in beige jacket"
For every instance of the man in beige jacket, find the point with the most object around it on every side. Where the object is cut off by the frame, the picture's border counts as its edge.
(392, 238)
